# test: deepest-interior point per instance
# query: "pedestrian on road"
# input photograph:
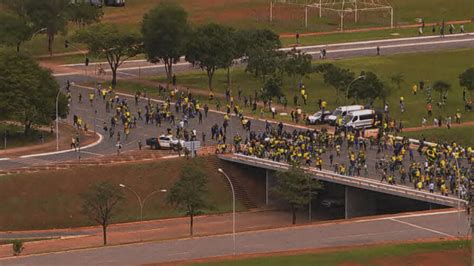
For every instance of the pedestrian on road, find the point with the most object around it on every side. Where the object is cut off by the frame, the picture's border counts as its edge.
(139, 145)
(378, 50)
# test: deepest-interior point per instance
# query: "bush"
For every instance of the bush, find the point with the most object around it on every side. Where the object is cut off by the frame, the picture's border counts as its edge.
(17, 246)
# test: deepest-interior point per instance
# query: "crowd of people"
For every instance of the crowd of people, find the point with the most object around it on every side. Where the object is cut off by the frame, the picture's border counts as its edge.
(443, 168)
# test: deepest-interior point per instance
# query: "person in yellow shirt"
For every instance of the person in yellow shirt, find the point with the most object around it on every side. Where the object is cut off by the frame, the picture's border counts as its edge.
(414, 89)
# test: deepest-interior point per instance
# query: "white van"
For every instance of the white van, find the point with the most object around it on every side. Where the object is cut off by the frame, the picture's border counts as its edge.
(360, 119)
(342, 111)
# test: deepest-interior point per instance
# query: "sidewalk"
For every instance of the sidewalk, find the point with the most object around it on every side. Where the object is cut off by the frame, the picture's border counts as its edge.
(66, 132)
(175, 228)
(292, 35)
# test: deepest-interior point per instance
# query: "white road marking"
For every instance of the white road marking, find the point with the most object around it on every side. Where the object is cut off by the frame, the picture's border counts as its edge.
(312, 53)
(421, 227)
(92, 153)
(65, 151)
(408, 216)
(126, 74)
(391, 46)
(375, 41)
(4, 159)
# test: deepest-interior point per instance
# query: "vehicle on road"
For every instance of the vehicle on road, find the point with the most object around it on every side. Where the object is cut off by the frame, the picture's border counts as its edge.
(164, 142)
(318, 118)
(360, 119)
(333, 203)
(342, 111)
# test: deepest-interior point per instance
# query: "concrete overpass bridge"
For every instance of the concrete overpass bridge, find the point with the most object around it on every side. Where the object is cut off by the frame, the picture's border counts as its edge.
(360, 192)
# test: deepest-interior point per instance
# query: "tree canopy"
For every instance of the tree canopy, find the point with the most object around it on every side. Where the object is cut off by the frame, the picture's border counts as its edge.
(297, 188)
(466, 79)
(27, 91)
(100, 204)
(211, 48)
(338, 78)
(15, 30)
(188, 193)
(442, 87)
(368, 88)
(107, 41)
(165, 31)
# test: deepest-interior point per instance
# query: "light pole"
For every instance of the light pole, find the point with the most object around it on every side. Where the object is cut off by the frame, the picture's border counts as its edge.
(141, 201)
(348, 86)
(233, 205)
(57, 116)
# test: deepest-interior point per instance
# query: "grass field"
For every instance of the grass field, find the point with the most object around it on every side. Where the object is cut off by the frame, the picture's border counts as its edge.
(52, 199)
(453, 253)
(16, 137)
(429, 67)
(288, 18)
(461, 135)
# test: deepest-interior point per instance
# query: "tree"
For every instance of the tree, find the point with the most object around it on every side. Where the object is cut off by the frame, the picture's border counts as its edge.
(368, 88)
(100, 204)
(49, 14)
(466, 79)
(27, 91)
(189, 191)
(397, 80)
(211, 48)
(298, 64)
(15, 30)
(297, 188)
(165, 31)
(84, 13)
(442, 87)
(272, 88)
(263, 58)
(336, 77)
(107, 41)
(264, 63)
(17, 247)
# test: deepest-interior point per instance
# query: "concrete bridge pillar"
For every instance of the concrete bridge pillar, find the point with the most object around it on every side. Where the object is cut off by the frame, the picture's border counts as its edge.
(359, 202)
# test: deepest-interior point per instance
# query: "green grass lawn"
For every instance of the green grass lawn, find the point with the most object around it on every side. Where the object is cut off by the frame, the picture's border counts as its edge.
(52, 199)
(17, 138)
(429, 67)
(461, 135)
(397, 254)
(288, 19)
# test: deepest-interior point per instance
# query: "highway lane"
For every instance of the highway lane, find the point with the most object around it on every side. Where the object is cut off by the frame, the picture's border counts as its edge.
(404, 227)
(141, 68)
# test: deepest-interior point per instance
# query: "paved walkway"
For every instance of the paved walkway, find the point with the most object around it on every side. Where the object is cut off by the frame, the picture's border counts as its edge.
(366, 231)
(87, 237)
(292, 35)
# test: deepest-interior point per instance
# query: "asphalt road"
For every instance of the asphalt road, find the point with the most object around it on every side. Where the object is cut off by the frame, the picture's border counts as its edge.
(409, 227)
(141, 68)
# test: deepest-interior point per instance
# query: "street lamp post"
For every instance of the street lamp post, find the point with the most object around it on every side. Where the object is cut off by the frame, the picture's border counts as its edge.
(141, 201)
(348, 86)
(233, 205)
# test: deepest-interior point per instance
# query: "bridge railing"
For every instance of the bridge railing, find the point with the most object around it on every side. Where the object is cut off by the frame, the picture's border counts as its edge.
(359, 182)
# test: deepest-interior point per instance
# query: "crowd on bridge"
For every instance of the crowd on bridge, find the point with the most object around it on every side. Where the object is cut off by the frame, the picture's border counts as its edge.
(444, 168)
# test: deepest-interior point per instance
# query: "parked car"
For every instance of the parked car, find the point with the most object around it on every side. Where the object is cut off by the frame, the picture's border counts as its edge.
(360, 119)
(333, 203)
(342, 111)
(317, 118)
(164, 142)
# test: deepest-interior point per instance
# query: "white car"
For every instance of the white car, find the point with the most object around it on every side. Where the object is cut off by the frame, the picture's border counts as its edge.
(164, 142)
(316, 117)
(342, 111)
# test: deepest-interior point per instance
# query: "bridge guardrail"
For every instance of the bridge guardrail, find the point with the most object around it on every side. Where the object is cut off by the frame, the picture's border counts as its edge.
(354, 181)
